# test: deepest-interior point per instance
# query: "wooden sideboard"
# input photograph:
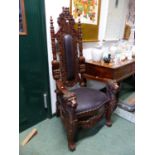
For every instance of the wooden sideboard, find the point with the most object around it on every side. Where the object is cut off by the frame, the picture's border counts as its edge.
(112, 73)
(117, 72)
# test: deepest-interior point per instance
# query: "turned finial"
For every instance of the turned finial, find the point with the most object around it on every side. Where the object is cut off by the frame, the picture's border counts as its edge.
(53, 38)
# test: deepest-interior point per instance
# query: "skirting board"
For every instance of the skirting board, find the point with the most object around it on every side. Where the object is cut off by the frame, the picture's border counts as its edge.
(130, 116)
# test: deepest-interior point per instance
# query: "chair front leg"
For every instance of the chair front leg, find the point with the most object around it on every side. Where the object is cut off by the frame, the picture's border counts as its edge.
(71, 131)
(57, 109)
(112, 90)
(108, 115)
(57, 103)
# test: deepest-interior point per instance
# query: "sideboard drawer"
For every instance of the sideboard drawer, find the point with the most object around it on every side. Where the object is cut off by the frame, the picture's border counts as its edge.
(124, 71)
(114, 73)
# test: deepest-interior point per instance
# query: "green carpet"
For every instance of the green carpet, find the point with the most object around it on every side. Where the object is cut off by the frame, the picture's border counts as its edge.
(100, 140)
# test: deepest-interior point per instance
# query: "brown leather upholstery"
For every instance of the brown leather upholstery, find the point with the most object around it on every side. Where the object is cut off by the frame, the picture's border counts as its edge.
(68, 41)
(89, 99)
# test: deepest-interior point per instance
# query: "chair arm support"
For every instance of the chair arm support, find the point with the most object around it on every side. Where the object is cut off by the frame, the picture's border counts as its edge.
(69, 97)
(111, 85)
(112, 88)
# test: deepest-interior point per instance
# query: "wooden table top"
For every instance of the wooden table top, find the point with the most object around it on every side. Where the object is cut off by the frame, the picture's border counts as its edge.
(111, 65)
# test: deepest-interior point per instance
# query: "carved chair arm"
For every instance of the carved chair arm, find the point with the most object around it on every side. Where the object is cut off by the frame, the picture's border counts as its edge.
(111, 85)
(112, 88)
(69, 97)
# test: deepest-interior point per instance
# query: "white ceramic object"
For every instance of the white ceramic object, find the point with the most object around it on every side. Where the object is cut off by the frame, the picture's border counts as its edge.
(97, 54)
(87, 53)
(105, 51)
(129, 56)
(133, 51)
(99, 45)
(113, 48)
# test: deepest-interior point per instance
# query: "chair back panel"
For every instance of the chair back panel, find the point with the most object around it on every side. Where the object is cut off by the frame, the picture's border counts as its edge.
(69, 57)
(69, 43)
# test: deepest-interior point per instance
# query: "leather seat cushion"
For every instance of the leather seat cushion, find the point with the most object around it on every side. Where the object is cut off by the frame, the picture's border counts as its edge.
(89, 99)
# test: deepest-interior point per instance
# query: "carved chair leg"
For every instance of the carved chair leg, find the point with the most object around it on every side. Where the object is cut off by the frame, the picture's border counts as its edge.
(71, 130)
(57, 109)
(111, 106)
(117, 92)
(108, 115)
(71, 143)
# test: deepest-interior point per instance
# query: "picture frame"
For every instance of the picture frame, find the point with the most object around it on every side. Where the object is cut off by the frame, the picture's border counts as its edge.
(88, 11)
(22, 18)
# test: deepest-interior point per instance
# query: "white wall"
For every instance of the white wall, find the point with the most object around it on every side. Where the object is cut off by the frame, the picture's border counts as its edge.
(54, 8)
(103, 18)
(116, 18)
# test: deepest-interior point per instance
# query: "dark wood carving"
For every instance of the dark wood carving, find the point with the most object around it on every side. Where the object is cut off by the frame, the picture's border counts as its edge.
(67, 100)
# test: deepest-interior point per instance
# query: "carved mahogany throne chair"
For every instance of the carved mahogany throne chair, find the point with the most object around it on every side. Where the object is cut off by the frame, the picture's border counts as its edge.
(80, 107)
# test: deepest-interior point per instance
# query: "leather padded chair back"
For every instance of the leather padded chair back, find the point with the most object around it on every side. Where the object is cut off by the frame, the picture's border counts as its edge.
(70, 63)
(69, 57)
